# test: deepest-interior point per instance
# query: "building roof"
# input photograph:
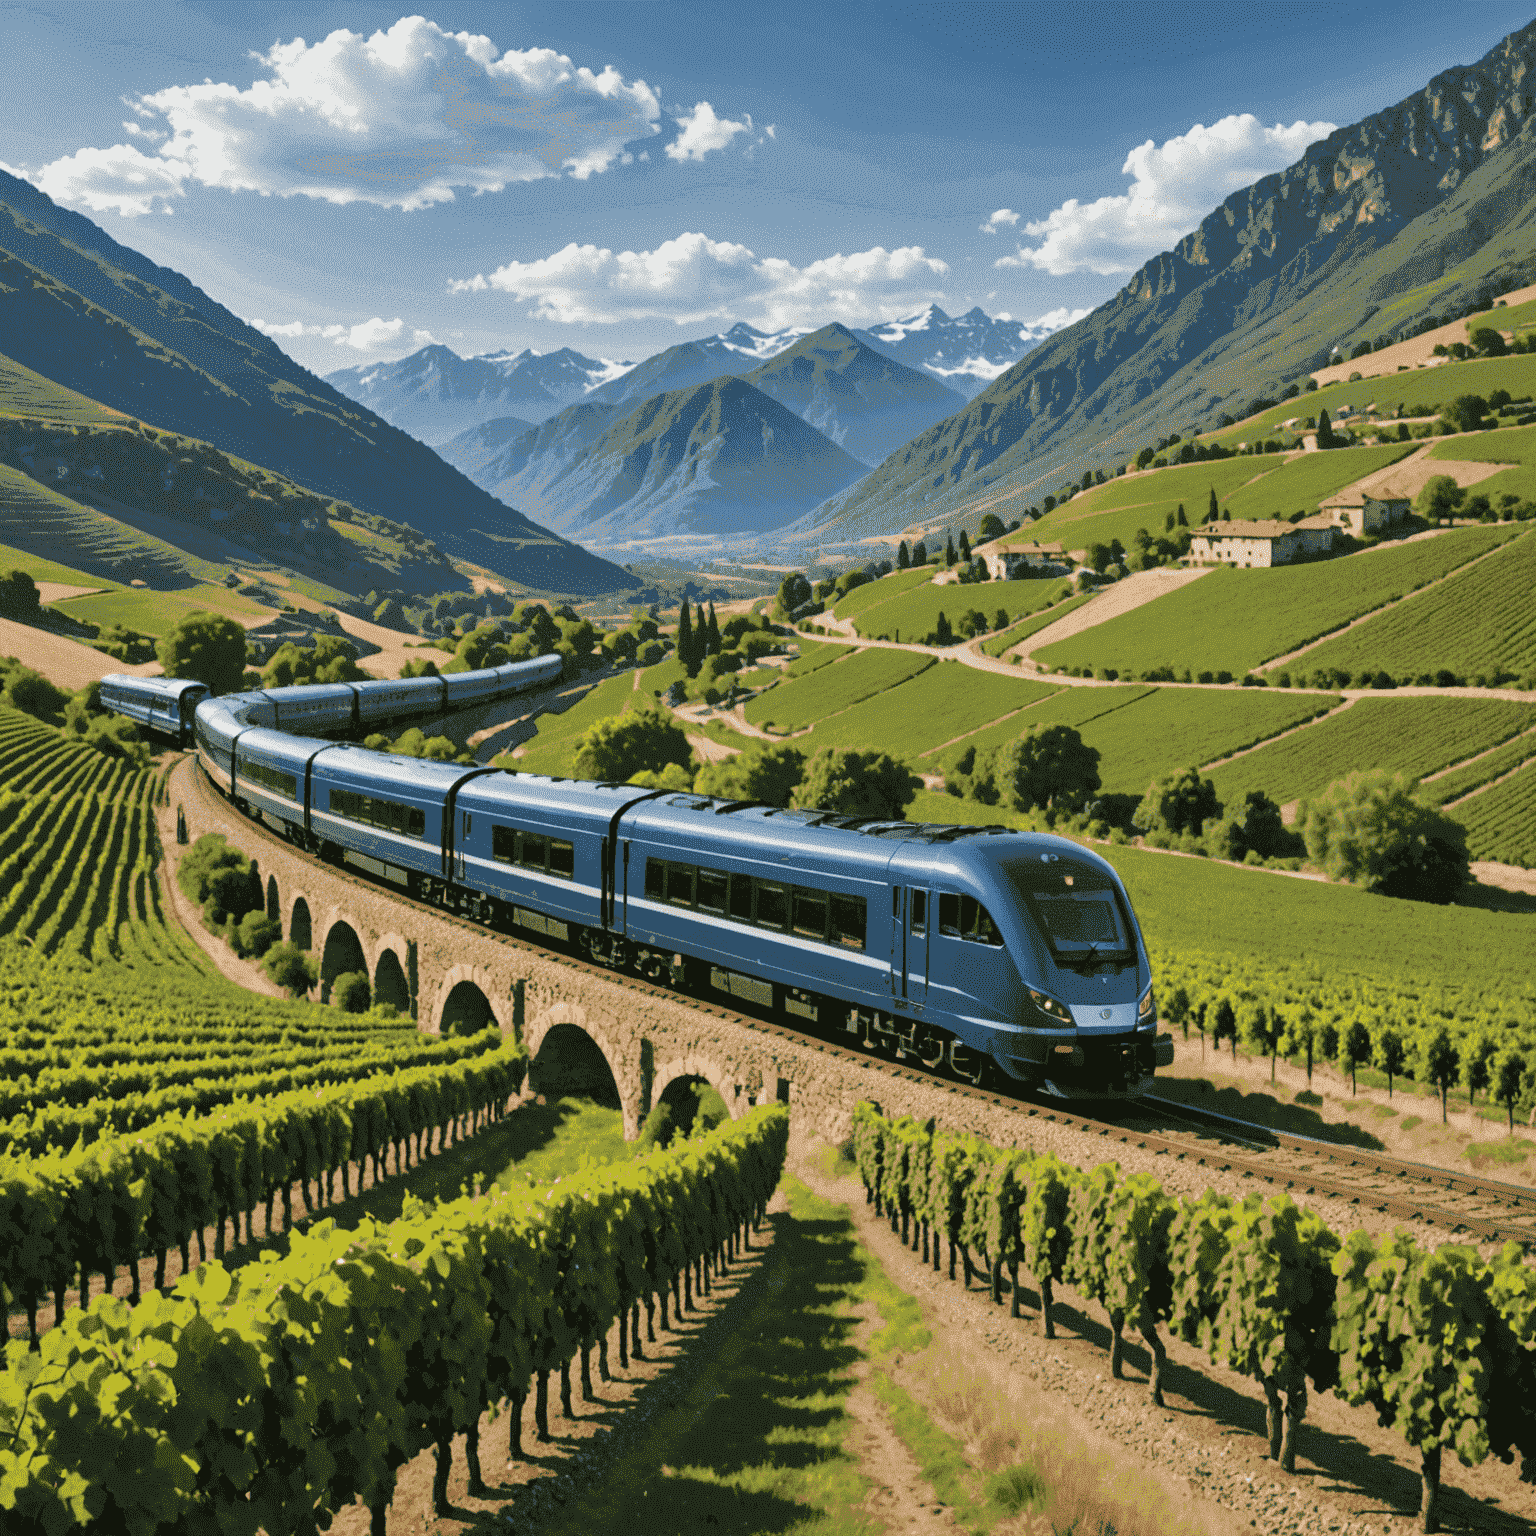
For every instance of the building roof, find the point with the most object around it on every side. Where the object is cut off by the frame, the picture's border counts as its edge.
(1268, 528)
(1359, 498)
(1318, 520)
(1024, 547)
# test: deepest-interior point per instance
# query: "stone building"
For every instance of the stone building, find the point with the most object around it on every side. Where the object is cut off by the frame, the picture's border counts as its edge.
(1263, 543)
(1009, 557)
(1364, 512)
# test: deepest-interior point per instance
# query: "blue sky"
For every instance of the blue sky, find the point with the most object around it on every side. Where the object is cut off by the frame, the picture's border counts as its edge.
(619, 177)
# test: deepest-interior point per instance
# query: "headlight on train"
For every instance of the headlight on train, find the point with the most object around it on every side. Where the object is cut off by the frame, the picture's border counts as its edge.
(1049, 1006)
(1146, 1009)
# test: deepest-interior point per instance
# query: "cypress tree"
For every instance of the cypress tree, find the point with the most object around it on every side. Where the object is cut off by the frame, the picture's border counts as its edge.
(1324, 430)
(1183, 521)
(903, 559)
(713, 633)
(919, 553)
(1226, 515)
(949, 549)
(965, 546)
(685, 640)
(1212, 513)
(943, 634)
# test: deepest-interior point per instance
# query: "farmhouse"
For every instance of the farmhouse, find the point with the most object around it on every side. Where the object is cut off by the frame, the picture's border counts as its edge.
(1007, 558)
(1364, 511)
(1263, 543)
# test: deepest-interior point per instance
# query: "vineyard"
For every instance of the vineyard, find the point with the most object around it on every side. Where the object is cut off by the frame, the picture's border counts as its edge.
(1414, 735)
(1431, 634)
(1235, 620)
(1439, 1342)
(1019, 633)
(802, 701)
(262, 1398)
(913, 615)
(1501, 821)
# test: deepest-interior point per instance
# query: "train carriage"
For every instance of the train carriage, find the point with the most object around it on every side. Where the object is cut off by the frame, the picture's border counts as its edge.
(165, 705)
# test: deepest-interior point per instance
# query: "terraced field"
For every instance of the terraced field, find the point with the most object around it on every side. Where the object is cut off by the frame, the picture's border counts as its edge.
(1031, 626)
(1482, 621)
(1501, 823)
(1487, 767)
(882, 590)
(1237, 620)
(1412, 735)
(1076, 707)
(913, 614)
(804, 700)
(1300, 485)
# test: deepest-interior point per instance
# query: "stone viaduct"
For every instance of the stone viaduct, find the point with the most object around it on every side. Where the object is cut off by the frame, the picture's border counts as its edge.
(444, 971)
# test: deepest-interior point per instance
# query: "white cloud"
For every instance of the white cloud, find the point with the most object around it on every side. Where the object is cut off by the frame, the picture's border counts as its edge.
(1173, 187)
(694, 278)
(998, 220)
(375, 335)
(703, 132)
(400, 119)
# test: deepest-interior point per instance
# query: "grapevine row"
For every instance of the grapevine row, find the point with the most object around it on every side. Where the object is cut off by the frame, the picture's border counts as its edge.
(1441, 1343)
(273, 1397)
(75, 1214)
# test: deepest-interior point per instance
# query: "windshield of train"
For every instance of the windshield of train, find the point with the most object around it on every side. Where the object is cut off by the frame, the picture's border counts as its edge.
(1077, 908)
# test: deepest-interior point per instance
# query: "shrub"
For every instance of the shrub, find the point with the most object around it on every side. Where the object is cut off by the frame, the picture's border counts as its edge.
(34, 695)
(856, 784)
(645, 737)
(1181, 802)
(351, 993)
(254, 934)
(769, 775)
(291, 968)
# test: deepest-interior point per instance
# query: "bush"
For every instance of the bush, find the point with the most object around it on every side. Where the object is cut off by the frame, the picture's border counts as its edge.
(1372, 830)
(856, 784)
(19, 596)
(769, 775)
(34, 695)
(351, 993)
(1046, 768)
(1182, 802)
(291, 968)
(646, 737)
(674, 776)
(206, 647)
(254, 935)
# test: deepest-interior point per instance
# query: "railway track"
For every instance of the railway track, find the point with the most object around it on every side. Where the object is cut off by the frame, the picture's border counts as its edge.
(1483, 1209)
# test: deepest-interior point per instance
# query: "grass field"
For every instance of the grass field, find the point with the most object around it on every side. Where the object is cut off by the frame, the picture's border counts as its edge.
(1411, 735)
(1482, 621)
(1237, 620)
(803, 701)
(154, 613)
(913, 614)
(554, 744)
(28, 394)
(928, 710)
(815, 654)
(1174, 728)
(1300, 485)
(882, 591)
(1076, 707)
(42, 569)
(1501, 825)
(1021, 631)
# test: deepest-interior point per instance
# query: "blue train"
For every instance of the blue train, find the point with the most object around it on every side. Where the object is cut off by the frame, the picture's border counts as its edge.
(961, 947)
(163, 705)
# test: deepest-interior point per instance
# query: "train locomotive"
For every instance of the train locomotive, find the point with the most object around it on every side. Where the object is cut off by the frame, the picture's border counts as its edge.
(967, 948)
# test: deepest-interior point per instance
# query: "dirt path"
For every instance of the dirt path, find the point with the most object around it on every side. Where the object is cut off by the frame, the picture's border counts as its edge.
(63, 661)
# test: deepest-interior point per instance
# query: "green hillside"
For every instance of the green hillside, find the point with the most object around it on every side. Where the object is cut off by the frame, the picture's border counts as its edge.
(1236, 620)
(1300, 485)
(799, 702)
(1479, 623)
(1501, 822)
(1076, 707)
(914, 614)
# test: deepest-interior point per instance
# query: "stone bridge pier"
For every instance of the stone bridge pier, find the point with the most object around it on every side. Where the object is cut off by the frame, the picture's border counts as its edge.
(452, 976)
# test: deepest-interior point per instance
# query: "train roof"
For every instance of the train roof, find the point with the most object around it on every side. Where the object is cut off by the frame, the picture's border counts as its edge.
(171, 687)
(339, 760)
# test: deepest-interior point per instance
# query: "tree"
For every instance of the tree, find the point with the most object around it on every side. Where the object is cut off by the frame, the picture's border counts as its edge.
(1183, 521)
(1441, 1064)
(1224, 1026)
(1212, 511)
(330, 660)
(919, 553)
(1325, 437)
(949, 550)
(614, 748)
(391, 614)
(794, 592)
(856, 784)
(1100, 557)
(1477, 1066)
(206, 648)
(1390, 1054)
(991, 527)
(419, 666)
(768, 776)
(350, 992)
(903, 559)
(685, 641)
(1354, 1049)
(1182, 802)
(1439, 497)
(1466, 412)
(965, 547)
(1370, 829)
(1511, 1079)
(33, 694)
(1487, 342)
(712, 633)
(1048, 767)
(19, 597)
(942, 633)
(289, 967)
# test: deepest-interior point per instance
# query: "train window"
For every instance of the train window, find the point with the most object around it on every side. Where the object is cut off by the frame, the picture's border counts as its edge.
(810, 914)
(772, 906)
(848, 921)
(562, 859)
(919, 911)
(655, 880)
(385, 815)
(533, 850)
(680, 885)
(504, 845)
(273, 779)
(741, 898)
(712, 891)
(963, 917)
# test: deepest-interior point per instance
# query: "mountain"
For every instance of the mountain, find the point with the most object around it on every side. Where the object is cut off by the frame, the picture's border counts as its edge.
(717, 461)
(964, 354)
(734, 352)
(1411, 210)
(94, 316)
(866, 402)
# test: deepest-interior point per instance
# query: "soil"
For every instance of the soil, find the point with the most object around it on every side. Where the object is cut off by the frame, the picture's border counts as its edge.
(1111, 602)
(64, 662)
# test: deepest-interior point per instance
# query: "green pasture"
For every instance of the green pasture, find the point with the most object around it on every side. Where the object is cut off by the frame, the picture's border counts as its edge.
(154, 613)
(1507, 317)
(1501, 445)
(1232, 620)
(1172, 728)
(24, 393)
(1501, 825)
(914, 614)
(554, 744)
(1021, 631)
(1077, 707)
(815, 654)
(926, 711)
(1479, 621)
(881, 591)
(804, 700)
(1414, 735)
(40, 568)
(1301, 484)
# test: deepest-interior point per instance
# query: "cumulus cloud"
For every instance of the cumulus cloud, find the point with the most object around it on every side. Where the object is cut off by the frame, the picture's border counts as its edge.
(375, 335)
(703, 132)
(401, 119)
(1173, 187)
(694, 278)
(1002, 218)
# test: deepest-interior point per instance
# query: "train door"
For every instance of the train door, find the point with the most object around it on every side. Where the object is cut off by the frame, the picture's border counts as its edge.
(910, 922)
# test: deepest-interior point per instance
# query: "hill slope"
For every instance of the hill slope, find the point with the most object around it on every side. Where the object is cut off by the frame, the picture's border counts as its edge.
(1404, 212)
(81, 309)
